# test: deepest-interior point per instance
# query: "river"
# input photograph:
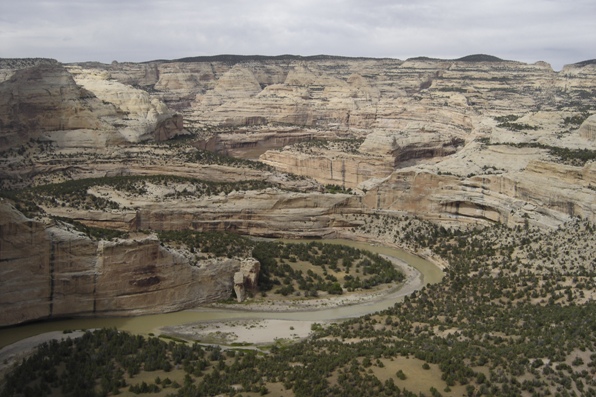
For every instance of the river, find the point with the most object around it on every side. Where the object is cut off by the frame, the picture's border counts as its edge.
(148, 323)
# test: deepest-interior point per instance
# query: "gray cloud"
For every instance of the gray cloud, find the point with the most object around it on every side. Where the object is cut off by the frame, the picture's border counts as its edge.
(556, 31)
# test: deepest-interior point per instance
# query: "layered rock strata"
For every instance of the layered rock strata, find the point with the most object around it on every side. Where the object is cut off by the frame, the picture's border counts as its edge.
(456, 142)
(511, 198)
(45, 102)
(423, 113)
(328, 167)
(49, 271)
(267, 213)
(245, 280)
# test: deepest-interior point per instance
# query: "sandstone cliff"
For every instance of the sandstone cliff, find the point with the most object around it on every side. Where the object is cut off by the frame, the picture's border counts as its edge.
(45, 98)
(439, 116)
(269, 212)
(43, 101)
(510, 198)
(455, 141)
(49, 271)
(588, 129)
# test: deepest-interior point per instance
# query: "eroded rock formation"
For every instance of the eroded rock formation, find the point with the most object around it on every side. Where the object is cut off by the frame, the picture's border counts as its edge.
(50, 271)
(454, 141)
(79, 109)
(245, 280)
(588, 129)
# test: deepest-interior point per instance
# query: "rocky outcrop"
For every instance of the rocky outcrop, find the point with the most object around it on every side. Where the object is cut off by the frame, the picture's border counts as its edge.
(24, 267)
(236, 83)
(307, 97)
(510, 199)
(258, 141)
(45, 102)
(245, 280)
(49, 271)
(327, 167)
(42, 99)
(269, 213)
(414, 150)
(140, 276)
(239, 289)
(144, 117)
(588, 129)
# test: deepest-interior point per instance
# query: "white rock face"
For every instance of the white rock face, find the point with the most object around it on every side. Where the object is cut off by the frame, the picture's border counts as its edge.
(246, 279)
(44, 101)
(142, 114)
(43, 98)
(588, 128)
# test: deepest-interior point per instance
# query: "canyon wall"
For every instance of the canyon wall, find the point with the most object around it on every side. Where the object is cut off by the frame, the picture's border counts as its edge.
(49, 271)
(454, 141)
(76, 108)
(266, 213)
(511, 199)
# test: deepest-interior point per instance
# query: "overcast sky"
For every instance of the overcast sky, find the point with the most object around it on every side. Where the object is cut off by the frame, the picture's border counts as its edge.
(556, 31)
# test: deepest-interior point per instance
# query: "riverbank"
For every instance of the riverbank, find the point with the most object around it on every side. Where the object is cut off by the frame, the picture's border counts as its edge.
(266, 331)
(273, 325)
(242, 332)
(413, 281)
(14, 353)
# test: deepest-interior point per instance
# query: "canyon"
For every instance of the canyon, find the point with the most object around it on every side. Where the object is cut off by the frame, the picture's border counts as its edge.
(462, 143)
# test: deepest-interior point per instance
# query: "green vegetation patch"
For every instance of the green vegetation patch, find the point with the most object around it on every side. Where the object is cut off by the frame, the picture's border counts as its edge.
(479, 58)
(575, 157)
(507, 118)
(509, 122)
(208, 157)
(295, 268)
(214, 243)
(95, 233)
(334, 189)
(348, 145)
(517, 126)
(75, 193)
(575, 120)
(108, 362)
(312, 267)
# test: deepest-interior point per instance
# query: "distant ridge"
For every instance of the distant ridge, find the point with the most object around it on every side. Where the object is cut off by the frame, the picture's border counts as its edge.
(289, 57)
(585, 63)
(248, 58)
(467, 58)
(25, 62)
(480, 58)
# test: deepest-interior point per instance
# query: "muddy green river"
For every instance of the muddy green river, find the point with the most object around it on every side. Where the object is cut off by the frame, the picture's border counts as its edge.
(149, 323)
